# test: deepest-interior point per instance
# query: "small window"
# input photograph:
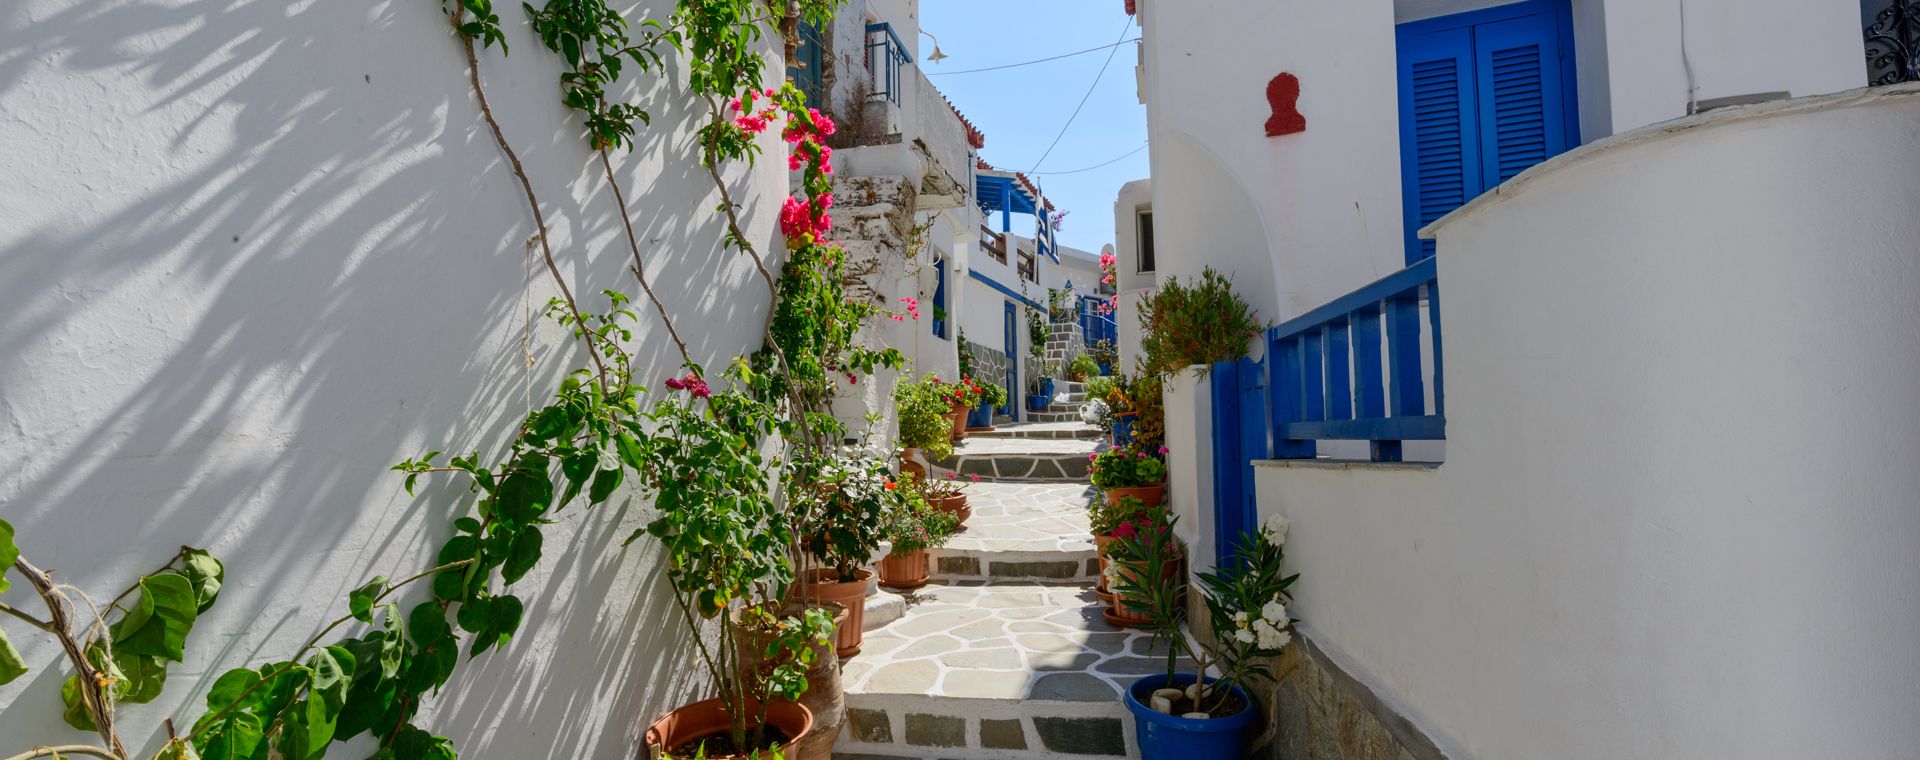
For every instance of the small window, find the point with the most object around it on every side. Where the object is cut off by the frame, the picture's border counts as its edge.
(1029, 267)
(1146, 242)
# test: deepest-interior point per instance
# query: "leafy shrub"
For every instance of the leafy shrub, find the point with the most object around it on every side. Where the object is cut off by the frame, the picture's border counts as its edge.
(1149, 421)
(1082, 367)
(1104, 515)
(916, 524)
(1183, 325)
(845, 500)
(993, 395)
(923, 406)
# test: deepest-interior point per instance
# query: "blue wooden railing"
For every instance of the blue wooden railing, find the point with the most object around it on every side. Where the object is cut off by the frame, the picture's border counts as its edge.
(1094, 326)
(885, 56)
(1335, 376)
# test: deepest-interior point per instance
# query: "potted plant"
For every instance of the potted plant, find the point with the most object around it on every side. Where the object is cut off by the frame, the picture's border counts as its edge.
(922, 407)
(1123, 472)
(962, 396)
(1103, 516)
(726, 547)
(949, 495)
(992, 397)
(771, 636)
(939, 320)
(843, 498)
(1143, 560)
(1116, 391)
(1081, 368)
(1039, 392)
(1194, 715)
(911, 529)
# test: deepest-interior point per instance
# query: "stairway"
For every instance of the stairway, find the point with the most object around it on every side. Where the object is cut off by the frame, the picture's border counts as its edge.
(1067, 398)
(1005, 655)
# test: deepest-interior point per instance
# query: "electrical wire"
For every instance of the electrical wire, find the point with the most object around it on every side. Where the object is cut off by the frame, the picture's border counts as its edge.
(1032, 62)
(1083, 99)
(1093, 167)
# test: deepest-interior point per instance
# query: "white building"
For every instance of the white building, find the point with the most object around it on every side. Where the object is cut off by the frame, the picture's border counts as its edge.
(1653, 495)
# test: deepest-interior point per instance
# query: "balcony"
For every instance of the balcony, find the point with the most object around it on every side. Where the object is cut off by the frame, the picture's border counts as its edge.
(885, 56)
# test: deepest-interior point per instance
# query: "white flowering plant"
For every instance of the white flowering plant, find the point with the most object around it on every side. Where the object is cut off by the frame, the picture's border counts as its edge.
(1247, 606)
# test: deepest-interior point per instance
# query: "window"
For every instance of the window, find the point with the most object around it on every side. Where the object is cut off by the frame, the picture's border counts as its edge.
(808, 69)
(1029, 267)
(1483, 96)
(1146, 242)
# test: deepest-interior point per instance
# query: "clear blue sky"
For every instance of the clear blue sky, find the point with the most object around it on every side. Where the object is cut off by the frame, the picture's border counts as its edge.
(1022, 109)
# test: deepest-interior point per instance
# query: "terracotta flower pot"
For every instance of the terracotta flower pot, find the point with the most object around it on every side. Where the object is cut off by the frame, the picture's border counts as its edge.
(1151, 495)
(956, 505)
(959, 419)
(824, 700)
(904, 569)
(908, 463)
(709, 718)
(1100, 547)
(825, 586)
(1118, 614)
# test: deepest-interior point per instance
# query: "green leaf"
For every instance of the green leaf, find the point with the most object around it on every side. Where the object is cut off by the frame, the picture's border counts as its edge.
(234, 736)
(578, 468)
(524, 496)
(309, 726)
(372, 691)
(11, 664)
(475, 614)
(604, 483)
(75, 714)
(8, 554)
(230, 686)
(177, 749)
(415, 744)
(360, 600)
(144, 677)
(162, 619)
(523, 556)
(205, 574)
(632, 452)
(427, 625)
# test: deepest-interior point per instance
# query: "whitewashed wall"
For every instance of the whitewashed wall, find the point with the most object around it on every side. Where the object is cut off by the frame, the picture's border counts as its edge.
(1665, 527)
(1128, 281)
(251, 258)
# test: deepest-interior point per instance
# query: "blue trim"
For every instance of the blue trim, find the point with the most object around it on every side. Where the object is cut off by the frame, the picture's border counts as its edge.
(1373, 293)
(1004, 290)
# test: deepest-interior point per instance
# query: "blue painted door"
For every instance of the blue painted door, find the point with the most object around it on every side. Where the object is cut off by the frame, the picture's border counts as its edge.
(1240, 436)
(1483, 96)
(1016, 396)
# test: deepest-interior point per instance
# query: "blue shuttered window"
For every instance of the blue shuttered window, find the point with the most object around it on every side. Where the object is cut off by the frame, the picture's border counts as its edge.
(1483, 96)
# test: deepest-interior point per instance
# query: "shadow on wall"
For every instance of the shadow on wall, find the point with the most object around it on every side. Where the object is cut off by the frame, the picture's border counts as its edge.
(255, 253)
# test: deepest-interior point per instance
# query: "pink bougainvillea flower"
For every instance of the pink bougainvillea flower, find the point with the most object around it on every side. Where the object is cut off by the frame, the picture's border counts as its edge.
(674, 383)
(1163, 451)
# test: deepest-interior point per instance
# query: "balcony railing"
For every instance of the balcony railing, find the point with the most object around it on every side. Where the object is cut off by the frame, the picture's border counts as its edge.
(1335, 376)
(885, 56)
(1095, 326)
(995, 243)
(1029, 266)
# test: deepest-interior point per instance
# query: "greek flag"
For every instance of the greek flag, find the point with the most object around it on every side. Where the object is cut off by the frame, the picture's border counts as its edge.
(1043, 238)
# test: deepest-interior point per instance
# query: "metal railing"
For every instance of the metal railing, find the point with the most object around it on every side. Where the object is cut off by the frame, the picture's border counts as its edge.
(885, 56)
(1095, 326)
(1334, 375)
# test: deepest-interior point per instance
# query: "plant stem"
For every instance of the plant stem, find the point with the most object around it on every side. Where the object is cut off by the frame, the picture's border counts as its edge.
(31, 620)
(526, 187)
(66, 749)
(639, 272)
(92, 690)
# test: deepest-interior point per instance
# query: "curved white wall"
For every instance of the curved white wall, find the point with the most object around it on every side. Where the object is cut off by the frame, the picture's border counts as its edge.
(1680, 515)
(251, 258)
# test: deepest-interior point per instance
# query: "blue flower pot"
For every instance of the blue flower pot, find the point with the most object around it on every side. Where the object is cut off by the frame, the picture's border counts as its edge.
(980, 416)
(1046, 387)
(1122, 431)
(1038, 402)
(1169, 736)
(1106, 370)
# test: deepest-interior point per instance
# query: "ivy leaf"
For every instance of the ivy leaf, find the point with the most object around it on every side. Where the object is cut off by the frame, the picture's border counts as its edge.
(11, 664)
(205, 574)
(523, 556)
(360, 600)
(8, 555)
(162, 618)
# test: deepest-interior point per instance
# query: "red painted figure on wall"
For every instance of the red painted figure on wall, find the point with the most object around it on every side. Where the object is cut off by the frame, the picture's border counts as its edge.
(1283, 94)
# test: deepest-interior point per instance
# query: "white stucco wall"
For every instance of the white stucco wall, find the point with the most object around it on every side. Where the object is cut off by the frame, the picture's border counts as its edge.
(252, 258)
(1188, 400)
(1665, 528)
(1134, 197)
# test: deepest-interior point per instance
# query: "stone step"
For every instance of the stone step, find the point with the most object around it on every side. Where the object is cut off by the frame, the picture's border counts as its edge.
(1040, 459)
(995, 670)
(1053, 416)
(1074, 429)
(1021, 532)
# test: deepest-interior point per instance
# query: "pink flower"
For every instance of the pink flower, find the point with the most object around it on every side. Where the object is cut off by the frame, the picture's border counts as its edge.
(1163, 451)
(752, 123)
(975, 476)
(794, 218)
(674, 383)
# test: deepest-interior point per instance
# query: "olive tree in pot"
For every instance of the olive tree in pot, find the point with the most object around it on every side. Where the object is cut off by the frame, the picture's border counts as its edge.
(1191, 715)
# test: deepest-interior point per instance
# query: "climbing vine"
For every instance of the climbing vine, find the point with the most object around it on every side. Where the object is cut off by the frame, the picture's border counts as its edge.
(698, 453)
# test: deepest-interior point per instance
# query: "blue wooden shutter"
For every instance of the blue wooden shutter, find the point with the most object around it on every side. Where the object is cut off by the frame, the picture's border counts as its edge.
(940, 297)
(1439, 129)
(1521, 103)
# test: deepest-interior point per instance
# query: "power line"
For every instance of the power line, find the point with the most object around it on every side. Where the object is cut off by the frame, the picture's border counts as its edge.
(1093, 167)
(1083, 99)
(1032, 62)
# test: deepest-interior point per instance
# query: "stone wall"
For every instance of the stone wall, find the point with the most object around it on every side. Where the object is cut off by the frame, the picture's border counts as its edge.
(990, 364)
(1315, 709)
